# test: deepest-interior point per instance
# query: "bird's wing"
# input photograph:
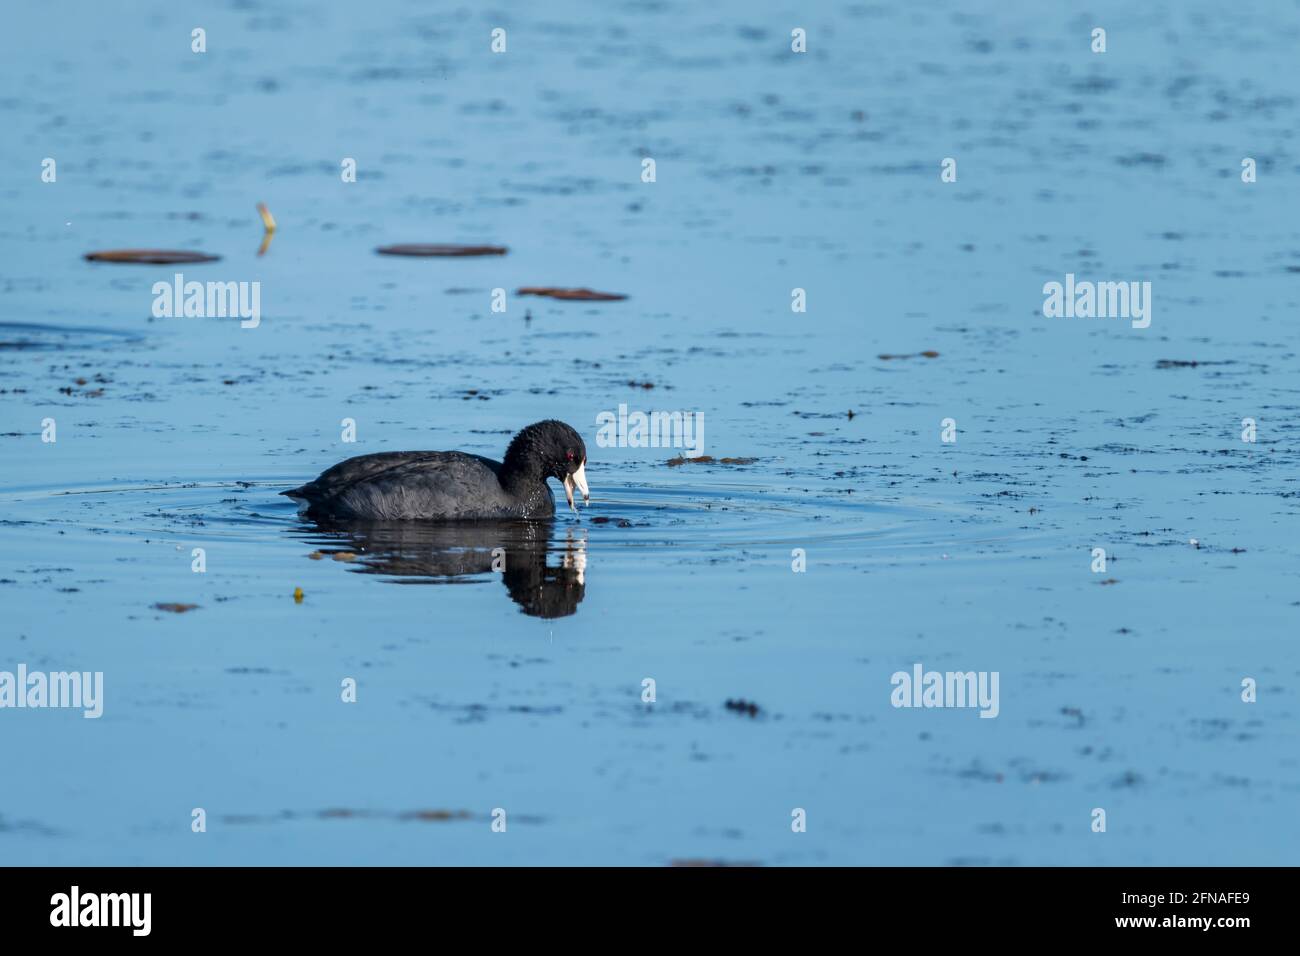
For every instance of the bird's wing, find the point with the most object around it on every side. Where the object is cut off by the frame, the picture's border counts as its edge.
(346, 474)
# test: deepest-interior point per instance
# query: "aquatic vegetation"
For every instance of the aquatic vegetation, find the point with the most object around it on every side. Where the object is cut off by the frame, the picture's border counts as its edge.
(929, 353)
(707, 460)
(440, 249)
(162, 257)
(175, 607)
(571, 295)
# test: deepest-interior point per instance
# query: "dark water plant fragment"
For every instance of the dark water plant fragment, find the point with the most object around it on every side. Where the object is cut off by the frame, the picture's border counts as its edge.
(571, 295)
(439, 249)
(151, 257)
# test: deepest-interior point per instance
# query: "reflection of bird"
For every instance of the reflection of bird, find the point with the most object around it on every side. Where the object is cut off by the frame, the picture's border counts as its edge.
(453, 485)
(544, 590)
(443, 551)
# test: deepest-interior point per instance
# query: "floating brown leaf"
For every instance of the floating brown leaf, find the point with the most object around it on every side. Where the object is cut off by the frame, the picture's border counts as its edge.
(578, 295)
(153, 257)
(173, 607)
(436, 815)
(928, 353)
(439, 249)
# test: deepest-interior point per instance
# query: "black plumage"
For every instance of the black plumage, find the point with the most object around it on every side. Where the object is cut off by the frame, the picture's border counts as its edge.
(453, 485)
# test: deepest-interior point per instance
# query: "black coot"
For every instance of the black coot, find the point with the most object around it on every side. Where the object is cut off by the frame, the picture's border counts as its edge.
(453, 485)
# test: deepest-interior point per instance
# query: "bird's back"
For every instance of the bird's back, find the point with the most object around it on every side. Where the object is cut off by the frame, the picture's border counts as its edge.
(444, 485)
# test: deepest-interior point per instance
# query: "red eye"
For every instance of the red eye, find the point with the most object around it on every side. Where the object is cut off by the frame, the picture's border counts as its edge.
(569, 455)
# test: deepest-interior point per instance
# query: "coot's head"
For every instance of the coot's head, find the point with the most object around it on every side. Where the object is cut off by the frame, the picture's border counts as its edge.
(551, 449)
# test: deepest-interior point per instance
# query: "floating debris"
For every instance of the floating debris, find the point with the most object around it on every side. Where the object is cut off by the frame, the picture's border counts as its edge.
(268, 221)
(1074, 712)
(928, 353)
(297, 595)
(439, 249)
(1184, 363)
(1130, 778)
(89, 393)
(707, 460)
(174, 607)
(268, 224)
(152, 257)
(344, 813)
(695, 863)
(438, 815)
(574, 295)
(742, 706)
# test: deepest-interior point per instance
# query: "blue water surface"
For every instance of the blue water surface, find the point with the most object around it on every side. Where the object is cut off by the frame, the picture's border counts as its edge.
(1120, 690)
